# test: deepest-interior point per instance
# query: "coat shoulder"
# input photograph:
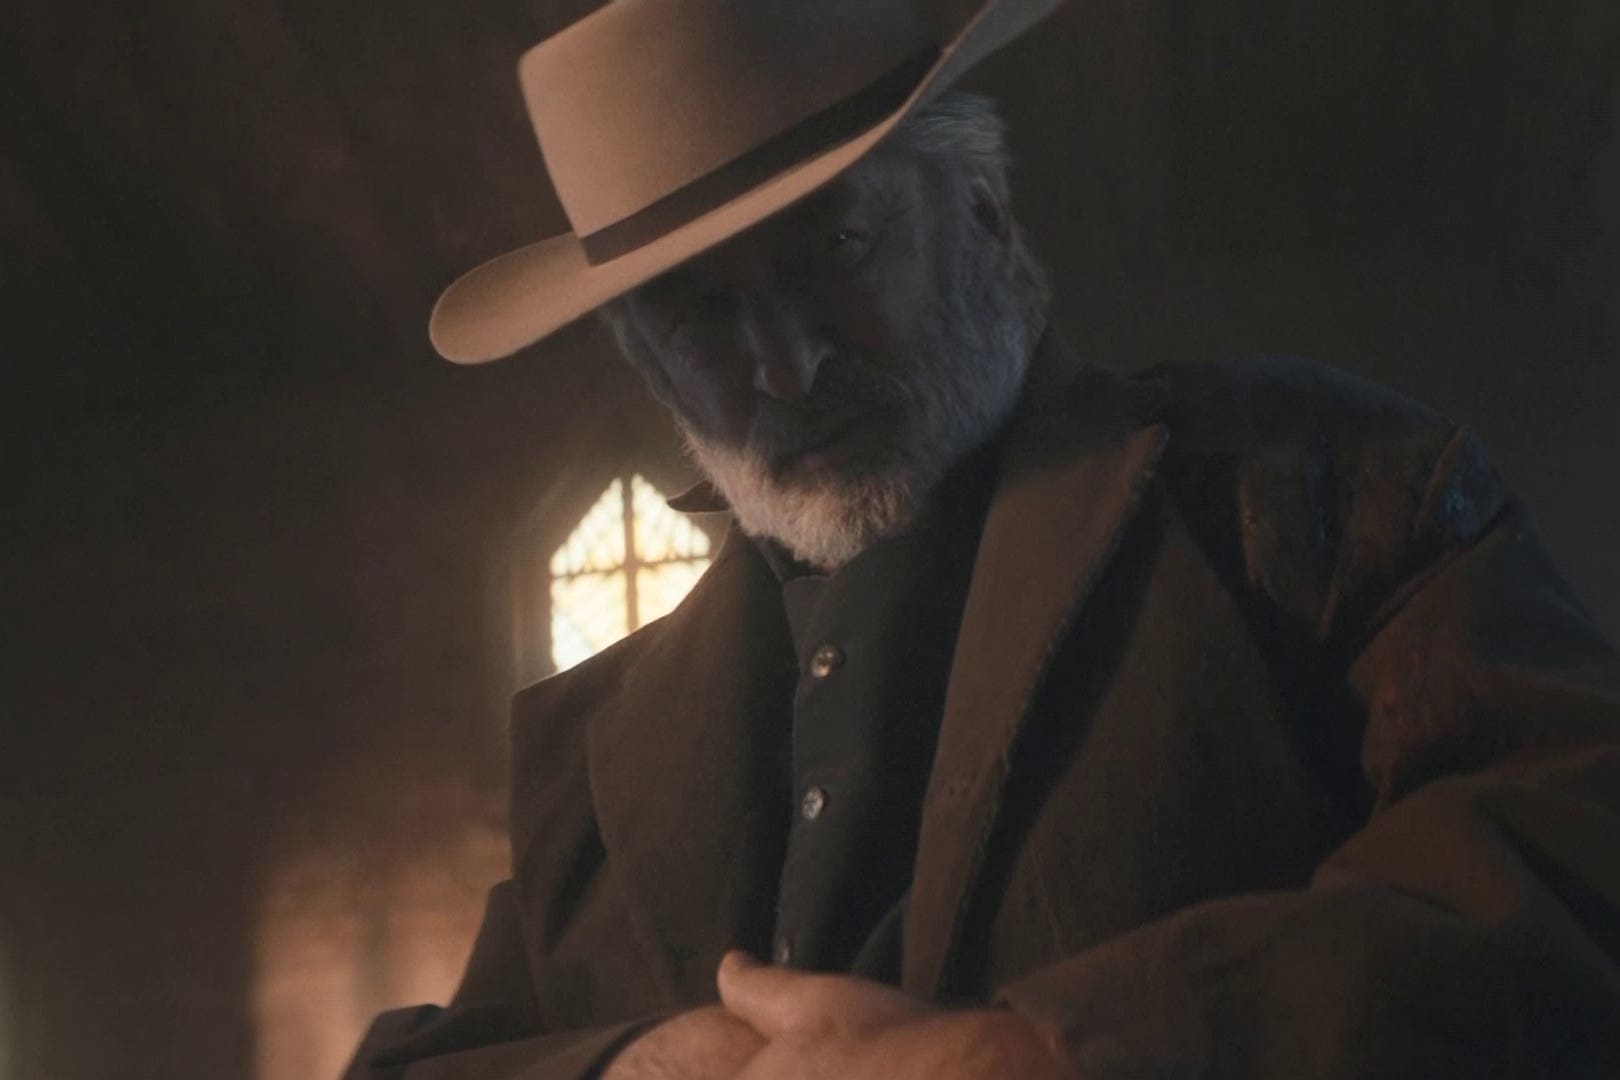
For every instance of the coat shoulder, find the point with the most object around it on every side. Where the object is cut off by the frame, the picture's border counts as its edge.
(1323, 490)
(550, 722)
(548, 717)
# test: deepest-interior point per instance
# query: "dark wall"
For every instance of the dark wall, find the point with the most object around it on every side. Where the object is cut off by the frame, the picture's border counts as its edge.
(1427, 194)
(259, 559)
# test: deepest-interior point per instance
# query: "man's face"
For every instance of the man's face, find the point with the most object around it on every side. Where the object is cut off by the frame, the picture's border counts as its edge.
(829, 365)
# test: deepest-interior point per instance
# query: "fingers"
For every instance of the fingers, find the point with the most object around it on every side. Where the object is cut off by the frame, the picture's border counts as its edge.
(770, 1000)
(778, 1001)
(696, 1045)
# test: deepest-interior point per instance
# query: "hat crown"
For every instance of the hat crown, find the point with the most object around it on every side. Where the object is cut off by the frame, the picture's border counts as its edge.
(645, 97)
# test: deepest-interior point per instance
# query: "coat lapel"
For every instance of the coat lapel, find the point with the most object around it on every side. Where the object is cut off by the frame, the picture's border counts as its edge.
(683, 757)
(1075, 464)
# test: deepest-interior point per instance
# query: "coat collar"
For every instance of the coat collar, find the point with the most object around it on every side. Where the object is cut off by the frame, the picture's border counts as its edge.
(685, 811)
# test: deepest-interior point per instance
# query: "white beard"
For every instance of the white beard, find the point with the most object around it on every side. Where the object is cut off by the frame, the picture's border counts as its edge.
(823, 526)
(828, 524)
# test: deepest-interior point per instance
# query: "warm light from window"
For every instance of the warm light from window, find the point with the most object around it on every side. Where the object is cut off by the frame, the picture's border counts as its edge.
(339, 941)
(630, 560)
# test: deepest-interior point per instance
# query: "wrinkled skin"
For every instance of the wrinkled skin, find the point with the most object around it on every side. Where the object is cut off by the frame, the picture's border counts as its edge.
(778, 1024)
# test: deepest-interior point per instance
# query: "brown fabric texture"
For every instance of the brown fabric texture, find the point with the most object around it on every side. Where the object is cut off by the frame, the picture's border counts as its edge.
(1274, 746)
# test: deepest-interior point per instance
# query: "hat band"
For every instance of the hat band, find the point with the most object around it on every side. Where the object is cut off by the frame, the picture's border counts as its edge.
(818, 133)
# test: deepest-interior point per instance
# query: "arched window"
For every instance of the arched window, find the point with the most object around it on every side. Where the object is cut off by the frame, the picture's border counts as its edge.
(630, 560)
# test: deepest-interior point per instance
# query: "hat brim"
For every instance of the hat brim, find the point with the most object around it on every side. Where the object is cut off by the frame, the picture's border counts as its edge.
(519, 298)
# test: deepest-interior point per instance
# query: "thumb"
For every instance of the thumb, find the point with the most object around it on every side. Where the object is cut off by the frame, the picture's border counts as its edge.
(768, 999)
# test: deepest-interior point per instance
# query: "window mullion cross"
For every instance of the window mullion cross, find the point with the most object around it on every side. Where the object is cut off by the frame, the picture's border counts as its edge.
(632, 558)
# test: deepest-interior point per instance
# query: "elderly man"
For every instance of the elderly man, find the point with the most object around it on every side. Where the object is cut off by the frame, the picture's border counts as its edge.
(1033, 720)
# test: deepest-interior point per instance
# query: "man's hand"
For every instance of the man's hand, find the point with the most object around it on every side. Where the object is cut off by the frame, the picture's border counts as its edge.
(835, 1027)
(703, 1044)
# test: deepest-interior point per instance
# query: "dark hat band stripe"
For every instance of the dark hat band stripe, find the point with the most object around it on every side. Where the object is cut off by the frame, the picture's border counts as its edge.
(814, 135)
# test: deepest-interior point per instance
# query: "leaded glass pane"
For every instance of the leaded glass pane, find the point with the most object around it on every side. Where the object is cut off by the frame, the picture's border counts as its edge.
(588, 613)
(590, 604)
(662, 533)
(598, 542)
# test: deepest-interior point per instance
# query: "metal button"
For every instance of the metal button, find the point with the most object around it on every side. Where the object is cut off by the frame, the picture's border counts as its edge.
(782, 950)
(813, 802)
(825, 660)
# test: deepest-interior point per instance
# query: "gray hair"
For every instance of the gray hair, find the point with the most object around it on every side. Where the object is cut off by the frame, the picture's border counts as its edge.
(963, 131)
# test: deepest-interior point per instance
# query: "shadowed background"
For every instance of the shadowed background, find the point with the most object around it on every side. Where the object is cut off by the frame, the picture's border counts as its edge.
(264, 554)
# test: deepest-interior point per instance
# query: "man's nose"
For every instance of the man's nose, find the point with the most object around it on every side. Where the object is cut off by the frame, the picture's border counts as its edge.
(786, 354)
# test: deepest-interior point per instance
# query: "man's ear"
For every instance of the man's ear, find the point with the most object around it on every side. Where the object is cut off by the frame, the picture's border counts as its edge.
(991, 213)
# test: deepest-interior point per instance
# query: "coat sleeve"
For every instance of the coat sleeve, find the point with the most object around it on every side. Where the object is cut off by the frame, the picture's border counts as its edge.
(1471, 928)
(490, 1029)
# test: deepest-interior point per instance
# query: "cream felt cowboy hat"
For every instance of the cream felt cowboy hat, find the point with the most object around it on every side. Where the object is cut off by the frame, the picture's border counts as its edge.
(668, 126)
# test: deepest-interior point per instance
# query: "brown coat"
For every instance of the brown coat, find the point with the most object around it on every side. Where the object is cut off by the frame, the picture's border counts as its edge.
(1274, 747)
